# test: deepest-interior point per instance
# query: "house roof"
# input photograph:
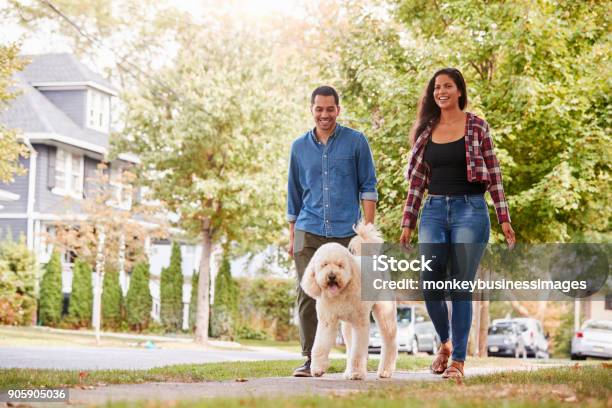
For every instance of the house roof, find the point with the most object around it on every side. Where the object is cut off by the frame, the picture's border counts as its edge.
(33, 113)
(63, 68)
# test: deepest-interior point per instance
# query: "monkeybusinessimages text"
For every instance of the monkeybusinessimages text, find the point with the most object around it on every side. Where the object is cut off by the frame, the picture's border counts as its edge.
(385, 263)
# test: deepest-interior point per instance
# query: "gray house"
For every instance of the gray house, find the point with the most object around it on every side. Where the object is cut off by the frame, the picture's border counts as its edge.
(63, 111)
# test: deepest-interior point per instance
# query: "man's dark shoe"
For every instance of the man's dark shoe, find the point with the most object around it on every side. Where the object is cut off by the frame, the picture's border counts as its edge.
(303, 370)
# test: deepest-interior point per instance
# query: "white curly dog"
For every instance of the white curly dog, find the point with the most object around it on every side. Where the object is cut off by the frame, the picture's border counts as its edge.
(333, 278)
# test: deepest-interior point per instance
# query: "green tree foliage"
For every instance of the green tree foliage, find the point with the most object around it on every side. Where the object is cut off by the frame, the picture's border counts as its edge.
(225, 307)
(139, 302)
(225, 151)
(112, 300)
(51, 296)
(171, 291)
(534, 71)
(11, 149)
(18, 270)
(81, 297)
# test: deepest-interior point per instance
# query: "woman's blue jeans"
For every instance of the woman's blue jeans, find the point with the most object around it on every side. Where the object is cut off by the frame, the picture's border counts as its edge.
(453, 231)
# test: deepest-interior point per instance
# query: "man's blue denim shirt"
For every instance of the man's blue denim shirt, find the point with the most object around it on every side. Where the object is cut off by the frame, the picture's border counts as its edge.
(327, 182)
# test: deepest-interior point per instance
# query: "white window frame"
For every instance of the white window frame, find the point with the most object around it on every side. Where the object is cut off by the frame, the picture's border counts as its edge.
(64, 164)
(98, 111)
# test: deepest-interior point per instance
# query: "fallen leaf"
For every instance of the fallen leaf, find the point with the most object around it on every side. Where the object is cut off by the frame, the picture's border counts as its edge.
(606, 365)
(241, 380)
(576, 366)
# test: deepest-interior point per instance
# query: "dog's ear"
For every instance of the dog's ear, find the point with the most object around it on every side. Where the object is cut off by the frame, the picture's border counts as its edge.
(309, 283)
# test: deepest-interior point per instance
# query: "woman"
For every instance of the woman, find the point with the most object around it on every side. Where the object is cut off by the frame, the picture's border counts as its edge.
(453, 158)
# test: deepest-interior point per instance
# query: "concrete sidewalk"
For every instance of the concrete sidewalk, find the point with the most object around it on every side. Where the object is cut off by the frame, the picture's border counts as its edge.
(286, 386)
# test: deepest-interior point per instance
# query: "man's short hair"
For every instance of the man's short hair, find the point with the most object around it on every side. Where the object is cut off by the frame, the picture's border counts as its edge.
(325, 91)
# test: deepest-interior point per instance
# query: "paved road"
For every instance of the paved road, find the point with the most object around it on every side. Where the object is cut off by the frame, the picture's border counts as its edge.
(90, 358)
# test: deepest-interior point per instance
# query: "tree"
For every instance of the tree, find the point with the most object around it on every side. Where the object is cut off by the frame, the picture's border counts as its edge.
(533, 71)
(12, 150)
(193, 302)
(81, 297)
(171, 291)
(138, 301)
(223, 157)
(227, 161)
(51, 296)
(112, 300)
(117, 223)
(225, 307)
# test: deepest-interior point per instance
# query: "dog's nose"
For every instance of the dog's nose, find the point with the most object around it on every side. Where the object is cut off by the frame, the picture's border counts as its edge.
(331, 276)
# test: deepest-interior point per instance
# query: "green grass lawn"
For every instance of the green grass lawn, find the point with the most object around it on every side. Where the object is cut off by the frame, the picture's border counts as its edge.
(553, 387)
(29, 378)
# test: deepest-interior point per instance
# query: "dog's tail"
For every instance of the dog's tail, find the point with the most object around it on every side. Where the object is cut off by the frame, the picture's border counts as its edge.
(366, 234)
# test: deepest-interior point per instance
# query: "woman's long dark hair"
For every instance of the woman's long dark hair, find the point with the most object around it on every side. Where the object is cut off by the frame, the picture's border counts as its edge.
(428, 112)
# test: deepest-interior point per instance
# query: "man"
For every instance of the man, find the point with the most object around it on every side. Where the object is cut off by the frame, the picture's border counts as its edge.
(331, 169)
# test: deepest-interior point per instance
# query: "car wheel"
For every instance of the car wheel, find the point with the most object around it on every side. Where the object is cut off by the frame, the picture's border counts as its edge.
(577, 357)
(415, 347)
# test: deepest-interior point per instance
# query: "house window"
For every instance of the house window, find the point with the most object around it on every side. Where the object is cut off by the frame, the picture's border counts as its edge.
(98, 110)
(69, 168)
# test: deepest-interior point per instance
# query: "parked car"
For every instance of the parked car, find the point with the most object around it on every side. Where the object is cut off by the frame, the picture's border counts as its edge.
(415, 332)
(504, 339)
(594, 339)
(534, 338)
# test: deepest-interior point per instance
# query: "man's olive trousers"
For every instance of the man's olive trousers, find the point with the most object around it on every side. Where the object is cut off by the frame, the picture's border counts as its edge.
(304, 246)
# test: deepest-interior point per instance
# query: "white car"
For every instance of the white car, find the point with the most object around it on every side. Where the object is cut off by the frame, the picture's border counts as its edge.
(533, 336)
(415, 332)
(594, 339)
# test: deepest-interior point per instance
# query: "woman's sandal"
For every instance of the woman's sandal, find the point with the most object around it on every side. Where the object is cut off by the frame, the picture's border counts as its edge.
(441, 360)
(454, 370)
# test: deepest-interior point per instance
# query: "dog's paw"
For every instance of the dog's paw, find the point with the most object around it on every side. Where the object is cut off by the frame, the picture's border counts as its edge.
(317, 373)
(347, 375)
(317, 370)
(384, 373)
(357, 375)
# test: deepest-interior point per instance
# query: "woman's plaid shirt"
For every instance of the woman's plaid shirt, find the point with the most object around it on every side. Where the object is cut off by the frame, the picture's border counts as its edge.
(482, 167)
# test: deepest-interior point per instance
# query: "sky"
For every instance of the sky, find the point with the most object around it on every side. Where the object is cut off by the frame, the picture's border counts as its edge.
(46, 40)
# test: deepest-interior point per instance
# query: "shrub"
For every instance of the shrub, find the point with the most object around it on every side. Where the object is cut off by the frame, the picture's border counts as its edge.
(562, 338)
(81, 298)
(51, 296)
(171, 292)
(248, 333)
(225, 307)
(139, 301)
(112, 300)
(18, 268)
(267, 304)
(193, 302)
